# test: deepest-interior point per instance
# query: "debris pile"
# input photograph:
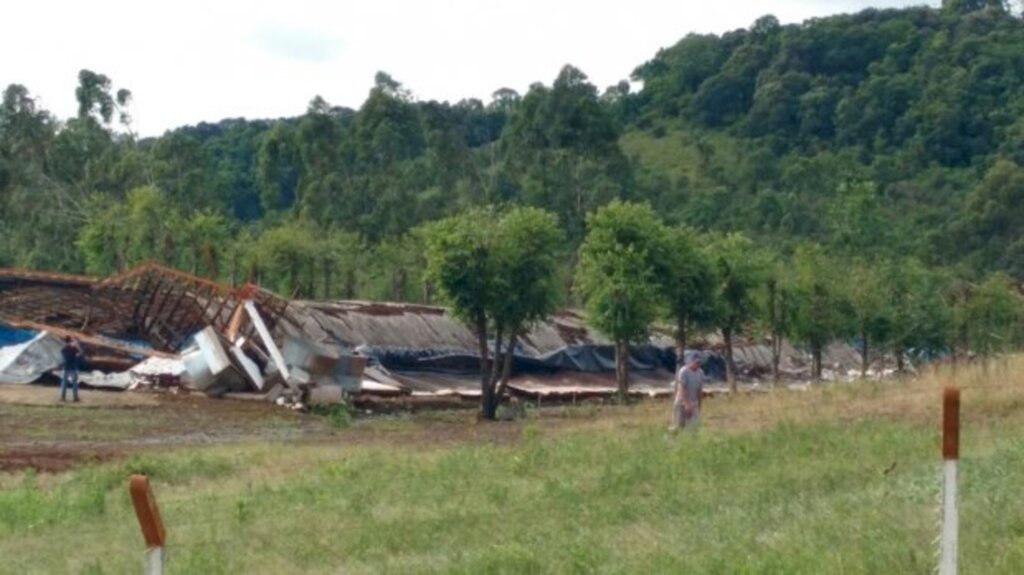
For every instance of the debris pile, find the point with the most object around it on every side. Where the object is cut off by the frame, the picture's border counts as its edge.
(158, 328)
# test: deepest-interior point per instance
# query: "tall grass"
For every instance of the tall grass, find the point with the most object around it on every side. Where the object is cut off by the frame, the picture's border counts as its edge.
(836, 480)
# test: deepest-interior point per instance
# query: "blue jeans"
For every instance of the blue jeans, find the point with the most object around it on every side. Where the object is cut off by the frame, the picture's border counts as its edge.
(69, 375)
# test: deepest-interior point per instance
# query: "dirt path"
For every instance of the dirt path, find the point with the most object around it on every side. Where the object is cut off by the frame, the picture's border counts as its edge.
(46, 395)
(39, 431)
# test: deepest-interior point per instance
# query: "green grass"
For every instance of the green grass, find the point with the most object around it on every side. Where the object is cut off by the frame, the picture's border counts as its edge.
(792, 498)
(673, 150)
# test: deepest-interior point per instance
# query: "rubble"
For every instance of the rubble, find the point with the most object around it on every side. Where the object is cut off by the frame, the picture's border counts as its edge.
(156, 328)
(26, 362)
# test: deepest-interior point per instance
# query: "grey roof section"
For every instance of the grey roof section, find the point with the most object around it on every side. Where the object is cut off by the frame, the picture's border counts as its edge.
(396, 325)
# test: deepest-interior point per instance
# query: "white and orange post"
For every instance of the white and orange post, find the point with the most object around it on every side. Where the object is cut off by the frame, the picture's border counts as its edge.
(950, 457)
(150, 522)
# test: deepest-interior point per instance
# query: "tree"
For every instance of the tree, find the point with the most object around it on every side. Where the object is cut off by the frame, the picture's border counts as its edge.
(618, 276)
(992, 218)
(821, 310)
(342, 255)
(776, 306)
(396, 269)
(278, 169)
(529, 243)
(285, 258)
(103, 240)
(687, 285)
(152, 222)
(967, 6)
(919, 316)
(991, 316)
(97, 103)
(561, 145)
(206, 234)
(496, 272)
(865, 291)
(738, 272)
(856, 221)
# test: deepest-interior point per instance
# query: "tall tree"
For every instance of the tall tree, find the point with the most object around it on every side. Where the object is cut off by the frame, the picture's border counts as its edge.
(497, 272)
(918, 313)
(865, 291)
(776, 306)
(738, 271)
(991, 316)
(618, 276)
(821, 313)
(561, 145)
(278, 169)
(687, 282)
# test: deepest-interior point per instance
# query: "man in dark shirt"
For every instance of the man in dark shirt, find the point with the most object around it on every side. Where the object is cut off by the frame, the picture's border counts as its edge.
(71, 353)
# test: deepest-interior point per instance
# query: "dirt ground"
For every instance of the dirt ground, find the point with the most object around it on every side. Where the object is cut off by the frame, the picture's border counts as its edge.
(45, 395)
(38, 431)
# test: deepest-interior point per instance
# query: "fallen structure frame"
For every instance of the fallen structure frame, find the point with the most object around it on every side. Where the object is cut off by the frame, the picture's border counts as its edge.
(151, 304)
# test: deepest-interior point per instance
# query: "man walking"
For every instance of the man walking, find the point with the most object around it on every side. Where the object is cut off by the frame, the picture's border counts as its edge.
(688, 390)
(71, 352)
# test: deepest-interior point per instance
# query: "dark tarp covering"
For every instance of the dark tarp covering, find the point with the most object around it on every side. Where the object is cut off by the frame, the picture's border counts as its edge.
(579, 358)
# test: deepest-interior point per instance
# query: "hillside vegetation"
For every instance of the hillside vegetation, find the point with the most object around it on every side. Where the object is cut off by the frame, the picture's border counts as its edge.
(858, 175)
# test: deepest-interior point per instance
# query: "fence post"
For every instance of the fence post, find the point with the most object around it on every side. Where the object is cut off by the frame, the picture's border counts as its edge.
(150, 523)
(950, 456)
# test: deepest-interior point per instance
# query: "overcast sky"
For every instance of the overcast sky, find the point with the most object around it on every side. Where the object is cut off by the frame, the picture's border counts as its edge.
(190, 61)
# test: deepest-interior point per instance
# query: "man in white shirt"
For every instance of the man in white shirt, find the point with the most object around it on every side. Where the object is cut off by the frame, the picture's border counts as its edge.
(689, 387)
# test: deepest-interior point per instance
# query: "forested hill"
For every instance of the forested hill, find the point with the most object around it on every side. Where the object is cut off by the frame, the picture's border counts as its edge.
(883, 132)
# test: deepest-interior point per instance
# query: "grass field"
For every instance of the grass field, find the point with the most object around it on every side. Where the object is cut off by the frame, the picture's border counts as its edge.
(837, 480)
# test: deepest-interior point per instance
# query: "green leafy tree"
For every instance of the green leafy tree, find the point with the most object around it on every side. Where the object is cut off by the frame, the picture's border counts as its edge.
(776, 300)
(821, 315)
(343, 257)
(865, 290)
(918, 312)
(152, 221)
(278, 169)
(990, 317)
(561, 145)
(103, 240)
(857, 223)
(994, 214)
(496, 272)
(396, 269)
(618, 276)
(738, 271)
(687, 282)
(286, 257)
(206, 236)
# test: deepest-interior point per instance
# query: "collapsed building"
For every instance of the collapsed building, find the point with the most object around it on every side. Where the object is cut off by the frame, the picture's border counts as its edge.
(155, 326)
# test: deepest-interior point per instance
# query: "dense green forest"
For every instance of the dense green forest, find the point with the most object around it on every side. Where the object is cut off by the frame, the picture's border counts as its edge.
(887, 135)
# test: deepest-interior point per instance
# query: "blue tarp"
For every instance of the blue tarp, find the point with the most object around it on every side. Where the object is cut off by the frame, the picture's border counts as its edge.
(11, 336)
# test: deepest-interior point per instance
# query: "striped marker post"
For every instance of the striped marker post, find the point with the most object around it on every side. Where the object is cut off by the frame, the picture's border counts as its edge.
(150, 522)
(950, 456)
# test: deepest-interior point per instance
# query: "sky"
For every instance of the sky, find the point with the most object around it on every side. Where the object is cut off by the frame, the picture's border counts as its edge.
(190, 61)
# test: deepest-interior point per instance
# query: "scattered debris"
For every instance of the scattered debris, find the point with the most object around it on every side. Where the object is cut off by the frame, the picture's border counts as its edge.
(27, 362)
(155, 328)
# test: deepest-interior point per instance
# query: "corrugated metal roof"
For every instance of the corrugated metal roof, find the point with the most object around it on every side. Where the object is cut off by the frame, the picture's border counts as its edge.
(396, 325)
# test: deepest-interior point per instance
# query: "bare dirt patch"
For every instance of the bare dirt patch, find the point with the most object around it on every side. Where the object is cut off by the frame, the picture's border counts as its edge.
(46, 395)
(52, 459)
